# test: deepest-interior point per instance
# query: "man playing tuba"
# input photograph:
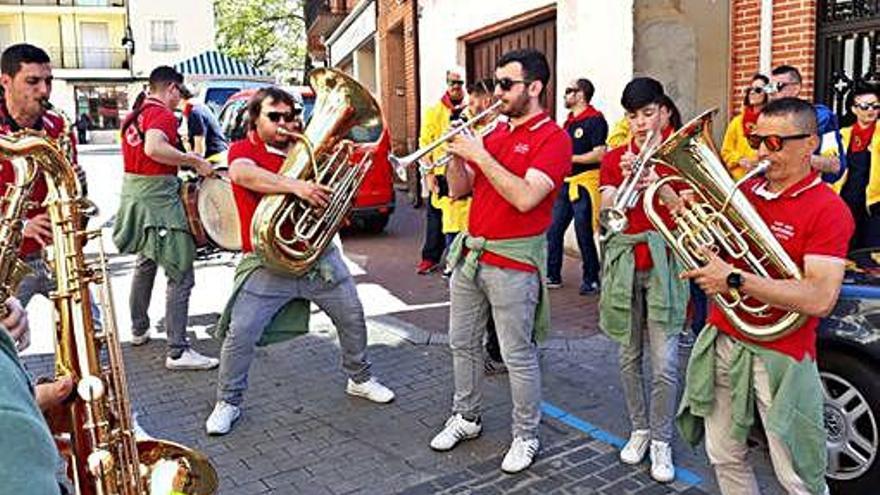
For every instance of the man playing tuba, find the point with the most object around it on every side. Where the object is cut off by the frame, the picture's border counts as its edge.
(728, 372)
(270, 306)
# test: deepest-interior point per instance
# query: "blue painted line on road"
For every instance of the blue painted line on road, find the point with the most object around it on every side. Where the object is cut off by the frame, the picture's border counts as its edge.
(603, 436)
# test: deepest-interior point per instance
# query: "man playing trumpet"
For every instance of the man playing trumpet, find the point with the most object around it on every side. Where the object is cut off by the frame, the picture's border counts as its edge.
(728, 371)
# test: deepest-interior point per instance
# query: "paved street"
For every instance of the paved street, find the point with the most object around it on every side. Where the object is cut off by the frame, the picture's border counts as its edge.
(300, 433)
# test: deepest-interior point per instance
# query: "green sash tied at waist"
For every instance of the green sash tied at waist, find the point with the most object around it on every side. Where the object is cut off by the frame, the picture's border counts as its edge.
(290, 322)
(527, 250)
(151, 221)
(794, 415)
(667, 298)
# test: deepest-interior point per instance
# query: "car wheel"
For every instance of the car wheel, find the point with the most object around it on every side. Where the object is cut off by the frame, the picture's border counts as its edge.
(851, 414)
(376, 224)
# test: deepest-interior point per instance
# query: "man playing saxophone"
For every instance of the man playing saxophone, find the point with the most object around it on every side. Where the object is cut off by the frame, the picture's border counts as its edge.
(270, 306)
(26, 78)
(151, 221)
(728, 371)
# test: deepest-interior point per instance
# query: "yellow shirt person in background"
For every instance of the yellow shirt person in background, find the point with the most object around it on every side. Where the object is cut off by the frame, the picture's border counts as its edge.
(735, 151)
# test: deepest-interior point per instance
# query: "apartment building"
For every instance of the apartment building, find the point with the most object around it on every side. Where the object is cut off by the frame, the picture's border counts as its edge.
(103, 50)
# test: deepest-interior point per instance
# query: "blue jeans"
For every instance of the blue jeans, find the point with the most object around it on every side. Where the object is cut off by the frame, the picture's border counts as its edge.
(511, 296)
(700, 310)
(582, 212)
(264, 294)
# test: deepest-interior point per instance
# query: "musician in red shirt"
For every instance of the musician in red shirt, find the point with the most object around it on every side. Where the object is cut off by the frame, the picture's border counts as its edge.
(499, 261)
(263, 297)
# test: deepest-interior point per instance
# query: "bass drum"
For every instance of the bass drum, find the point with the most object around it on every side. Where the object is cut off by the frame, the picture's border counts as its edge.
(211, 212)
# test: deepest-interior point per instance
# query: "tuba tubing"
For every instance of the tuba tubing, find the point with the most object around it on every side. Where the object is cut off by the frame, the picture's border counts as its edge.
(721, 219)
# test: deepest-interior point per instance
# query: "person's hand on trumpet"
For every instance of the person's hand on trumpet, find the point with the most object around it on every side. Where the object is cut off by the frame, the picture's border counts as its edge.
(469, 147)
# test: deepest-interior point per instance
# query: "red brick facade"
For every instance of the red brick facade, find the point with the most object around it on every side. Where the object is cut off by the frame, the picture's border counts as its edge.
(794, 42)
(396, 34)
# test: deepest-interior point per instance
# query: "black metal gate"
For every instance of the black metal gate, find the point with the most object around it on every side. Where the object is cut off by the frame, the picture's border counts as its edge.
(846, 49)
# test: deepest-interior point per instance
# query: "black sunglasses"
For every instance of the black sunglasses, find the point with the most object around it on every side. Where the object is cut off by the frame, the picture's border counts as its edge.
(275, 117)
(505, 83)
(455, 82)
(569, 91)
(757, 90)
(773, 142)
(867, 106)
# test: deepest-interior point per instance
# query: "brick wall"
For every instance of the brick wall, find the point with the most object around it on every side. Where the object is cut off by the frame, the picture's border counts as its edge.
(794, 42)
(396, 35)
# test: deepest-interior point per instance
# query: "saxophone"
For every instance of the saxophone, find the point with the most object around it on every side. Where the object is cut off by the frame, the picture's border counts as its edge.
(95, 428)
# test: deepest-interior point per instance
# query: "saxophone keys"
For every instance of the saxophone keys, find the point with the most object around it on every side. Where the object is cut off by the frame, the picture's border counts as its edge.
(90, 388)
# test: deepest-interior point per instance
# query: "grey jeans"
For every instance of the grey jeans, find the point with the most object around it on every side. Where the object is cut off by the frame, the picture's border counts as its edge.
(511, 296)
(40, 281)
(664, 367)
(176, 303)
(264, 294)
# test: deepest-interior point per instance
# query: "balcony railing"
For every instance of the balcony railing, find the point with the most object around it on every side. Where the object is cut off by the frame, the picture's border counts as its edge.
(88, 58)
(67, 3)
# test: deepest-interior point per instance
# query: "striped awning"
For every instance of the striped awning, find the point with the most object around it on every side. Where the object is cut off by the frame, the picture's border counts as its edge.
(213, 63)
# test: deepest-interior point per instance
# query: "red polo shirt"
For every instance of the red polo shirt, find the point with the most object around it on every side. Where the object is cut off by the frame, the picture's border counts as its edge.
(246, 200)
(53, 125)
(539, 144)
(808, 219)
(153, 115)
(611, 175)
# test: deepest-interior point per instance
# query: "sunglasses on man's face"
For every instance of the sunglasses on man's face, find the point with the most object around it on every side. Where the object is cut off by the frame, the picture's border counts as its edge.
(570, 91)
(275, 117)
(505, 83)
(867, 106)
(773, 142)
(455, 82)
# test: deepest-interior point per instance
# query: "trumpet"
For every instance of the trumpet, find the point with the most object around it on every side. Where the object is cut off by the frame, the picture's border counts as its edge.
(613, 218)
(400, 163)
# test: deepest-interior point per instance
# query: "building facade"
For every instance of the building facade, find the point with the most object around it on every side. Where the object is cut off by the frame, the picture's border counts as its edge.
(102, 50)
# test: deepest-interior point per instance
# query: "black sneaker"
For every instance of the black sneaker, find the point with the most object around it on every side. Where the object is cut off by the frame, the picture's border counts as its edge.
(588, 289)
(552, 283)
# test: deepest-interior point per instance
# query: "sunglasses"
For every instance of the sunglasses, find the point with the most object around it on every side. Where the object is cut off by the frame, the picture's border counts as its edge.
(773, 142)
(757, 90)
(569, 91)
(275, 117)
(867, 106)
(455, 82)
(505, 83)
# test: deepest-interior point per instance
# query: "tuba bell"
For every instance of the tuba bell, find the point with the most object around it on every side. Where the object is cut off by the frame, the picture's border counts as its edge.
(721, 219)
(336, 150)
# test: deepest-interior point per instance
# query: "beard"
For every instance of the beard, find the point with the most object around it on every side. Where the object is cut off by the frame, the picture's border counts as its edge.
(517, 107)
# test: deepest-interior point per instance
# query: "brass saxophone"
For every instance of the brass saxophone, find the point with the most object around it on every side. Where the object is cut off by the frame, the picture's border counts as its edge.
(96, 429)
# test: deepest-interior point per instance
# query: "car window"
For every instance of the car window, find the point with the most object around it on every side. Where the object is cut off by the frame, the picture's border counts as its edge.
(216, 97)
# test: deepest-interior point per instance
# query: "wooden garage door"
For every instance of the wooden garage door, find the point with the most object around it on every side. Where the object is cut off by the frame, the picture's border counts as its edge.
(540, 34)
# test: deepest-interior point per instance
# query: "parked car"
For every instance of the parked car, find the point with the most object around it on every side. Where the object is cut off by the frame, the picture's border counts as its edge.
(849, 365)
(374, 202)
(215, 93)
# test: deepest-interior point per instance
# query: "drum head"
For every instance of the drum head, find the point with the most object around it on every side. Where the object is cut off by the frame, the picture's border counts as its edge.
(218, 213)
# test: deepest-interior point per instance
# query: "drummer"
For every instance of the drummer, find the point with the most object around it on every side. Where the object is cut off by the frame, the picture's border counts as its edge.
(151, 221)
(203, 133)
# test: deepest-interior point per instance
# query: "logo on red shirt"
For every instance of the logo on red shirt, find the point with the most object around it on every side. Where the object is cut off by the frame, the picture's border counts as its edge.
(782, 231)
(521, 148)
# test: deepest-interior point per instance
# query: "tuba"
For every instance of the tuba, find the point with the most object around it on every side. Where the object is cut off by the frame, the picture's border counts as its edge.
(94, 427)
(721, 219)
(334, 150)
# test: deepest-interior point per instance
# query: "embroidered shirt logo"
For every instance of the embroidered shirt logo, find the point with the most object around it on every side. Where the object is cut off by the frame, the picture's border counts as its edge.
(521, 148)
(782, 231)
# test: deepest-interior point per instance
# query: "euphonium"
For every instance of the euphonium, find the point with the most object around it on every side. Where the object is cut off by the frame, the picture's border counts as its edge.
(721, 219)
(95, 428)
(334, 150)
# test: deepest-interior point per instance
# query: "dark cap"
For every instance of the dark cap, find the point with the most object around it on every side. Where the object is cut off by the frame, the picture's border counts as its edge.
(640, 92)
(186, 91)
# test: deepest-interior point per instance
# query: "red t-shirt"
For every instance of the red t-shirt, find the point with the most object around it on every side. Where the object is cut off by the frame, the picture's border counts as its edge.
(611, 175)
(53, 125)
(808, 218)
(153, 115)
(538, 143)
(246, 200)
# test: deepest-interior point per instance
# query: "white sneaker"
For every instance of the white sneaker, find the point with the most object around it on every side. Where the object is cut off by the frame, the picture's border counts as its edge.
(634, 450)
(221, 419)
(456, 429)
(371, 390)
(140, 339)
(191, 360)
(662, 469)
(520, 456)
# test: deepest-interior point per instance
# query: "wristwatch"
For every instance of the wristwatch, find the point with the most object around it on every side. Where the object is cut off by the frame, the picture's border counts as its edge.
(735, 279)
